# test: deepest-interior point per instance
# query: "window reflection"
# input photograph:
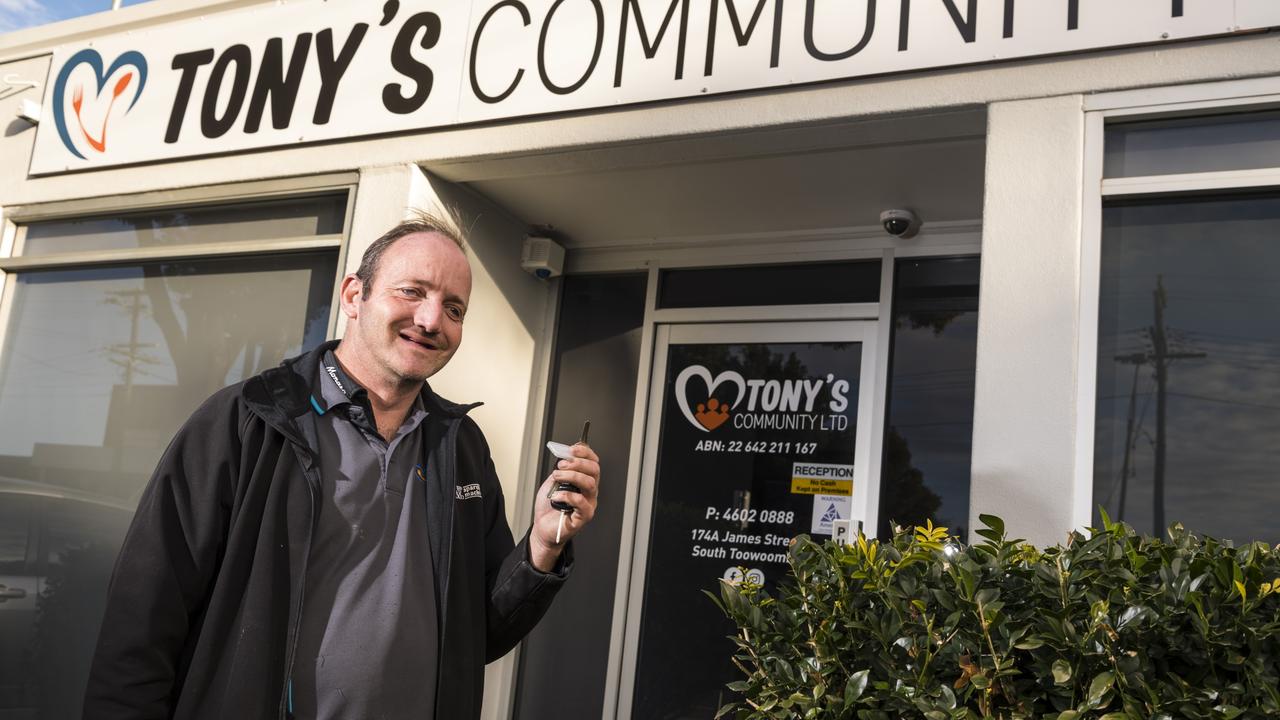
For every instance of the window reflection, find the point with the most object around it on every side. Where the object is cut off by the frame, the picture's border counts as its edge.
(1188, 399)
(99, 367)
(103, 364)
(929, 433)
(1238, 141)
(265, 220)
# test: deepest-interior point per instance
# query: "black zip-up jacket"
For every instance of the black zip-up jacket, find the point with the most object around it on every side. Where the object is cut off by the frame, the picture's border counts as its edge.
(204, 604)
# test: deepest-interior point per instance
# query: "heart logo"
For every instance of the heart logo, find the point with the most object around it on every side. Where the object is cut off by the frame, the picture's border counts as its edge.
(92, 133)
(713, 413)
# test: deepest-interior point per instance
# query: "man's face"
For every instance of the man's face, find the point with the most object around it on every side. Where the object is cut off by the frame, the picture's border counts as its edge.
(411, 322)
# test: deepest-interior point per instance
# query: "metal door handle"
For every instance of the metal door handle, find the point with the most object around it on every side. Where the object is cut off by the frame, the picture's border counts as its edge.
(7, 593)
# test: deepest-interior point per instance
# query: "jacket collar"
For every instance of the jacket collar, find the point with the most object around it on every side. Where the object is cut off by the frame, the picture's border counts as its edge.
(283, 393)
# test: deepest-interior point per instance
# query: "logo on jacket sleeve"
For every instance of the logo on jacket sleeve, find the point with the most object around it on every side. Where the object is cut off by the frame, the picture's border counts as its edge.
(467, 492)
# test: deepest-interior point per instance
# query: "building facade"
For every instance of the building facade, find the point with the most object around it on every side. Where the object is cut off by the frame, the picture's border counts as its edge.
(1080, 318)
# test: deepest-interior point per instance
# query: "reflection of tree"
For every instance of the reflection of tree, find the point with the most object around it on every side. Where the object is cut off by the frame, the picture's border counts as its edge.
(904, 499)
(755, 360)
(210, 312)
(935, 320)
(759, 361)
(207, 326)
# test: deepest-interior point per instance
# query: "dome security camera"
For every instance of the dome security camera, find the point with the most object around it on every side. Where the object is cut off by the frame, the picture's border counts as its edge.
(900, 223)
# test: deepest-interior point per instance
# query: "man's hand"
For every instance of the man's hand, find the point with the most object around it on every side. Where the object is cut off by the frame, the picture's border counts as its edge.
(583, 471)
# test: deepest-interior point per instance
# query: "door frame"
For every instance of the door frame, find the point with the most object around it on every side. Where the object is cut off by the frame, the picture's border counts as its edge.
(866, 323)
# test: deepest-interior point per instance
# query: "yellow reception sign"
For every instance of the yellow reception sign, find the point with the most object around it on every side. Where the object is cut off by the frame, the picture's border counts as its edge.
(821, 479)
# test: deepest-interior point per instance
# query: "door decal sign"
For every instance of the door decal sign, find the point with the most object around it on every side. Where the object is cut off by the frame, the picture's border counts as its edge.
(755, 446)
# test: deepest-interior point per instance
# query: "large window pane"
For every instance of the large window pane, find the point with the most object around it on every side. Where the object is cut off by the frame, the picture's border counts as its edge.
(1188, 399)
(266, 220)
(100, 366)
(929, 433)
(1242, 141)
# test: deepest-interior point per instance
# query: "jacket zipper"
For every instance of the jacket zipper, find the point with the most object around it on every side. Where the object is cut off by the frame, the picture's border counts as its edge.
(286, 701)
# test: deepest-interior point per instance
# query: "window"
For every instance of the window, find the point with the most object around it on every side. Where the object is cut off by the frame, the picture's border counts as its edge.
(1188, 355)
(928, 441)
(755, 285)
(112, 331)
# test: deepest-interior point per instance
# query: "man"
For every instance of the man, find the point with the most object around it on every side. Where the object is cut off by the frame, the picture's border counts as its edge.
(328, 539)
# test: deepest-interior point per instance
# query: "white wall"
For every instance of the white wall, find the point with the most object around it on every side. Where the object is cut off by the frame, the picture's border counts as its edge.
(17, 136)
(1024, 409)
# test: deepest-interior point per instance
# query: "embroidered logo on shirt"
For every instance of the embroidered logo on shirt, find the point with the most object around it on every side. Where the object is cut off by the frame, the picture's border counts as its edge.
(467, 492)
(333, 373)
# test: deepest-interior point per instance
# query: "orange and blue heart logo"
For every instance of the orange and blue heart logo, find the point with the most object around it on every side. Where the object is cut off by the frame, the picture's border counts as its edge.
(126, 76)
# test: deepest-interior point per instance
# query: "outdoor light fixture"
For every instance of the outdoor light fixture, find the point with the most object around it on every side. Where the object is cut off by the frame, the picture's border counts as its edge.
(29, 110)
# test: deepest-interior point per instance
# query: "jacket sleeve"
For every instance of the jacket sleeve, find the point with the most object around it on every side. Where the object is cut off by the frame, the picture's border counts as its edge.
(518, 594)
(164, 572)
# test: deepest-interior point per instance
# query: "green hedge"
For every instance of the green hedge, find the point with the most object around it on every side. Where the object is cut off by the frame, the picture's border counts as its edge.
(1111, 626)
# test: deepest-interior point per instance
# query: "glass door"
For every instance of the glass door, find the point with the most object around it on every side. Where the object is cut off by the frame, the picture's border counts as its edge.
(758, 432)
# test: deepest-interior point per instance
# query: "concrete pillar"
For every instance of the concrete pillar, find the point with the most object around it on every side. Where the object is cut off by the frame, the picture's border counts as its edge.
(1024, 435)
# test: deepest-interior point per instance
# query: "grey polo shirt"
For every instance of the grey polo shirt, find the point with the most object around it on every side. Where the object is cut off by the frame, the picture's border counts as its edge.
(368, 643)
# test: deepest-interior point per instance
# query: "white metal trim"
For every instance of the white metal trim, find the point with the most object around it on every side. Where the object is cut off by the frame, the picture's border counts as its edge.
(620, 675)
(540, 400)
(1262, 89)
(860, 243)
(8, 240)
(152, 254)
(8, 236)
(1193, 109)
(835, 311)
(335, 304)
(641, 516)
(224, 193)
(1087, 335)
(880, 418)
(18, 241)
(1190, 182)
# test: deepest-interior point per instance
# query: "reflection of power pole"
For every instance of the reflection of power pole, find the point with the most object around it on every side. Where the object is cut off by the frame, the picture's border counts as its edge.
(1137, 360)
(1160, 358)
(128, 355)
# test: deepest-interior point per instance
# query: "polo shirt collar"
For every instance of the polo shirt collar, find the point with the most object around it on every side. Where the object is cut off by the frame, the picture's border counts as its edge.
(334, 387)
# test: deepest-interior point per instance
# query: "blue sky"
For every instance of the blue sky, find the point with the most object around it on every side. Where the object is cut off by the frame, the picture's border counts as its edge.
(18, 14)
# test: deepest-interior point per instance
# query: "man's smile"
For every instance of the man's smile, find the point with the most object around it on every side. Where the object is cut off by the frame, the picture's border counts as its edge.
(420, 342)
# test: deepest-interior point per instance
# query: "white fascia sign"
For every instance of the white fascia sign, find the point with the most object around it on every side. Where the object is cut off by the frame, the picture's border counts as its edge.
(314, 70)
